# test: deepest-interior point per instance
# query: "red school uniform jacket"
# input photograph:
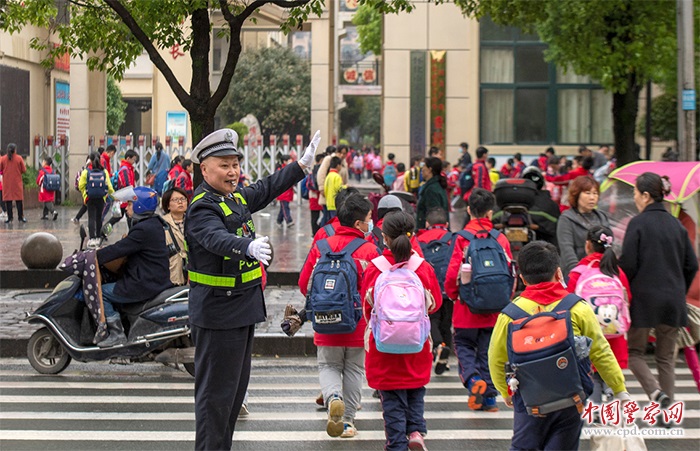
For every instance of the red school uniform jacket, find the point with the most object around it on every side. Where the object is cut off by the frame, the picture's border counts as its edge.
(106, 163)
(125, 177)
(288, 195)
(566, 178)
(398, 371)
(462, 317)
(45, 196)
(619, 344)
(414, 242)
(480, 174)
(362, 256)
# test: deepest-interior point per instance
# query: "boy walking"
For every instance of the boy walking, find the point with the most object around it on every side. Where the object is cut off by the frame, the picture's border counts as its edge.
(341, 356)
(559, 429)
(284, 199)
(472, 331)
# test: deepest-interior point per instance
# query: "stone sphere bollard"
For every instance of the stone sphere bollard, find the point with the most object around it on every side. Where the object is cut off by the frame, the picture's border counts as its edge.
(41, 250)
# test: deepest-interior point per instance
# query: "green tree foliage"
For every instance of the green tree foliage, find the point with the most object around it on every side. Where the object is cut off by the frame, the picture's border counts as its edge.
(360, 120)
(621, 43)
(274, 85)
(239, 127)
(369, 29)
(116, 107)
(664, 118)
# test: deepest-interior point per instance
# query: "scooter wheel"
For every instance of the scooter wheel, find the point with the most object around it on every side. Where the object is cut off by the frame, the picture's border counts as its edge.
(45, 353)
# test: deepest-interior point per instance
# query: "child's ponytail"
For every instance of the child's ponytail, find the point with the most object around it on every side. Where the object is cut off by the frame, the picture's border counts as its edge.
(601, 238)
(398, 226)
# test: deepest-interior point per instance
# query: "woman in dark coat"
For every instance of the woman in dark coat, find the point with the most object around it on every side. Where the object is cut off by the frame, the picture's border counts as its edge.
(660, 263)
(433, 193)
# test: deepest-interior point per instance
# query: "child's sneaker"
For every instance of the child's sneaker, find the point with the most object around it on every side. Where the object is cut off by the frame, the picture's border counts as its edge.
(336, 410)
(477, 387)
(290, 225)
(442, 353)
(349, 431)
(416, 442)
(489, 404)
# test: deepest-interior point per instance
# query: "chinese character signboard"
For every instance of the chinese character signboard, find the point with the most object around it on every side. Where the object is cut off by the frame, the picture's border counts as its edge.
(437, 98)
(176, 124)
(62, 90)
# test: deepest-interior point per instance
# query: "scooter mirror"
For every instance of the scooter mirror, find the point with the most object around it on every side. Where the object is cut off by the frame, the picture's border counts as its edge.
(379, 178)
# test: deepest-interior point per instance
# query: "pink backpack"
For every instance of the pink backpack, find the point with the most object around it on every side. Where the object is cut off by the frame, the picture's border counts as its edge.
(608, 298)
(357, 162)
(399, 321)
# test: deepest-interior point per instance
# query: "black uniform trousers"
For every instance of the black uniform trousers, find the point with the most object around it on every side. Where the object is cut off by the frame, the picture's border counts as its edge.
(222, 371)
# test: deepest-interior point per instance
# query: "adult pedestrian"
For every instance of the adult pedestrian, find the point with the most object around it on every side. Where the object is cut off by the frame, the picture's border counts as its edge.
(184, 179)
(3, 213)
(433, 193)
(574, 223)
(174, 203)
(12, 167)
(660, 263)
(226, 276)
(159, 165)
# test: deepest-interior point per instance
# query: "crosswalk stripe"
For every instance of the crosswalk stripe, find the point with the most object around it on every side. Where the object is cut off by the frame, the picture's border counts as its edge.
(455, 383)
(77, 399)
(274, 436)
(319, 415)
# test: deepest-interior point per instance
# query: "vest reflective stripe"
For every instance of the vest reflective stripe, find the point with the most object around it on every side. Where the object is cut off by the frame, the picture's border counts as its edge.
(197, 197)
(227, 211)
(239, 196)
(225, 281)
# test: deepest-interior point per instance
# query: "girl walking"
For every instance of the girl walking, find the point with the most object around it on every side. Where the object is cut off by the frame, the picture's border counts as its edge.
(400, 378)
(94, 184)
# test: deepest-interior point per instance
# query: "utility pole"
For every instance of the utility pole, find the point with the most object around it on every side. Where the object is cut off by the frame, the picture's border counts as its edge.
(686, 81)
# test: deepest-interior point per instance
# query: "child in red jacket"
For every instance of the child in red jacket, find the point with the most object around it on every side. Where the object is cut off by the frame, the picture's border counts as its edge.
(46, 197)
(472, 332)
(341, 357)
(285, 198)
(400, 378)
(600, 254)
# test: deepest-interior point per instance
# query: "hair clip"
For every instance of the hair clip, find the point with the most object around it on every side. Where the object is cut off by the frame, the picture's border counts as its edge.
(606, 240)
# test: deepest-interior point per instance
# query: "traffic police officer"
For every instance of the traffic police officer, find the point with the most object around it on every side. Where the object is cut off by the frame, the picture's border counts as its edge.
(226, 295)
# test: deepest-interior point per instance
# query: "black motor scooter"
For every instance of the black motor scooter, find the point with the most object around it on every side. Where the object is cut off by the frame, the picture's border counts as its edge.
(157, 330)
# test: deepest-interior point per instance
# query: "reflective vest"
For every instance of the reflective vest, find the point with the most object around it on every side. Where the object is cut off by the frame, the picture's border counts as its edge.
(236, 272)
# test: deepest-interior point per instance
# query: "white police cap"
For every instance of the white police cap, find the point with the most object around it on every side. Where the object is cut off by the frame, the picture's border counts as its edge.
(221, 143)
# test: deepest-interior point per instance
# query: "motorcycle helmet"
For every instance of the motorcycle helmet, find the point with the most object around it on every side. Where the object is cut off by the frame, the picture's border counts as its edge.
(534, 174)
(144, 200)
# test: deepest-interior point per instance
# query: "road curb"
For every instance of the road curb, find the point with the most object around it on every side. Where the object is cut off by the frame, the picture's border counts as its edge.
(270, 345)
(48, 278)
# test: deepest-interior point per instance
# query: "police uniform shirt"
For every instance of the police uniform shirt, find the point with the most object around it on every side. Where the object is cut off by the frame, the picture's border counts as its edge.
(217, 239)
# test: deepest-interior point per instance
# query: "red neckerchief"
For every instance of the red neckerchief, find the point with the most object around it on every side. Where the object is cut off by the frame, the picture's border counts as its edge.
(545, 293)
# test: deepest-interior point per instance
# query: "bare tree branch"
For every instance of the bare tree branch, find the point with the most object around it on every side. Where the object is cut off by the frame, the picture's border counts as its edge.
(260, 3)
(182, 95)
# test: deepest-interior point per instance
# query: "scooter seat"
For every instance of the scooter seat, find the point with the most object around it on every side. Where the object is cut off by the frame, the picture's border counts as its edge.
(138, 307)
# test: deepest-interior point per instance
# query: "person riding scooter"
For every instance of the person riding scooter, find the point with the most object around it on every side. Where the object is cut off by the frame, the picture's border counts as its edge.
(544, 211)
(145, 273)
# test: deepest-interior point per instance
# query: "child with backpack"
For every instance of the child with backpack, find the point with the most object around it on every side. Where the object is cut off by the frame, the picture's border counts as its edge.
(549, 338)
(436, 243)
(48, 184)
(284, 199)
(330, 279)
(599, 280)
(399, 290)
(389, 172)
(94, 185)
(479, 279)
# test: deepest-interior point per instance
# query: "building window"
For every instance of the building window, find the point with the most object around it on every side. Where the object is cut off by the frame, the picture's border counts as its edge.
(525, 100)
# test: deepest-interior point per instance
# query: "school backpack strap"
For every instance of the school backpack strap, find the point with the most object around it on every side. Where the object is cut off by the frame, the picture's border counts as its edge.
(414, 262)
(495, 234)
(328, 228)
(354, 245)
(514, 312)
(568, 302)
(382, 263)
(323, 246)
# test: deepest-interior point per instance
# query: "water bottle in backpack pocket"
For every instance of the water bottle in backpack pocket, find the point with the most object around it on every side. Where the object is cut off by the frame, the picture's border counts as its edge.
(550, 367)
(491, 284)
(399, 321)
(607, 297)
(333, 302)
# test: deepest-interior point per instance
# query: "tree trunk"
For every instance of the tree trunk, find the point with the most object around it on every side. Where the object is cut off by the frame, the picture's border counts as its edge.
(625, 106)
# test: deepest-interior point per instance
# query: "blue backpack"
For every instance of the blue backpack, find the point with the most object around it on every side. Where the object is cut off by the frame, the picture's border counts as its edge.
(551, 366)
(334, 303)
(305, 186)
(438, 253)
(115, 179)
(389, 175)
(492, 278)
(160, 180)
(330, 231)
(96, 184)
(51, 182)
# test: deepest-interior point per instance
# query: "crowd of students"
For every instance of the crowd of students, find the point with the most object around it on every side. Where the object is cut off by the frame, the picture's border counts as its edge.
(454, 271)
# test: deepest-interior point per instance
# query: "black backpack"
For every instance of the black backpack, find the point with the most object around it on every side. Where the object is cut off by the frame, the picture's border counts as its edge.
(96, 184)
(466, 180)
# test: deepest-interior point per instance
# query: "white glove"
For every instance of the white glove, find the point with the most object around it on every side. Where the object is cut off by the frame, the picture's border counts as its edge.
(260, 250)
(307, 160)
